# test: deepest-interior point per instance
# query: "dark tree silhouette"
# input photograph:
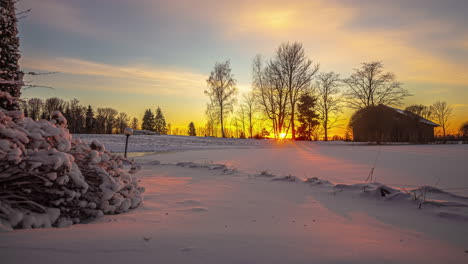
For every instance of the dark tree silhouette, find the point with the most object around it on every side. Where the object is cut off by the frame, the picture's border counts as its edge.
(371, 86)
(420, 110)
(35, 106)
(222, 91)
(297, 72)
(464, 130)
(106, 120)
(121, 122)
(191, 130)
(271, 94)
(329, 101)
(307, 116)
(148, 120)
(75, 114)
(134, 123)
(90, 121)
(159, 122)
(442, 114)
(52, 104)
(250, 107)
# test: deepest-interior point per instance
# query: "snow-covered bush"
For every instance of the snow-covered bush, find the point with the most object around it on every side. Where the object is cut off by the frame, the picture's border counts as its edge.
(48, 179)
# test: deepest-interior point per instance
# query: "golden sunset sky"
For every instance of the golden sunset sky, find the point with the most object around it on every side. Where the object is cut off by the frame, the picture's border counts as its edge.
(139, 54)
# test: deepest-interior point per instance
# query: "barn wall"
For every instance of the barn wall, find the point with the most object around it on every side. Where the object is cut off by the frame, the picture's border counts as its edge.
(398, 128)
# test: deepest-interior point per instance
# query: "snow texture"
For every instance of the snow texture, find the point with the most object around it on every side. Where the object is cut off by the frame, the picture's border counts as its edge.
(48, 179)
(194, 213)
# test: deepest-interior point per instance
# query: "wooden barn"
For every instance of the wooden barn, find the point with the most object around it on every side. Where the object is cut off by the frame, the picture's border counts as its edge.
(387, 124)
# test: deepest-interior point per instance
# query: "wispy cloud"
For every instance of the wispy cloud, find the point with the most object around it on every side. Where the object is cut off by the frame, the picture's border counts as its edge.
(144, 79)
(457, 106)
(328, 31)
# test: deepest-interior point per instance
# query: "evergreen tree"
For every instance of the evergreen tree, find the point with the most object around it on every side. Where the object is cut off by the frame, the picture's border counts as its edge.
(25, 110)
(11, 77)
(160, 122)
(148, 120)
(191, 130)
(308, 118)
(90, 121)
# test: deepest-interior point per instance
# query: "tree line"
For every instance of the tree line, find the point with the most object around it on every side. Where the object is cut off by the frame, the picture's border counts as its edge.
(291, 97)
(102, 120)
(81, 119)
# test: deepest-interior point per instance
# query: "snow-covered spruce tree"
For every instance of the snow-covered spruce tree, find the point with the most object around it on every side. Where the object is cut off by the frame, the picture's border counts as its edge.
(11, 77)
(46, 177)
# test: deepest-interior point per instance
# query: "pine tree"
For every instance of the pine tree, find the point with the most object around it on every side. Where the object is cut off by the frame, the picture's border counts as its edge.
(25, 107)
(191, 130)
(148, 120)
(308, 118)
(11, 77)
(160, 122)
(90, 121)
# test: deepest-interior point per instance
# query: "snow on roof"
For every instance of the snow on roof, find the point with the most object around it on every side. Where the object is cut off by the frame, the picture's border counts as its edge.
(421, 119)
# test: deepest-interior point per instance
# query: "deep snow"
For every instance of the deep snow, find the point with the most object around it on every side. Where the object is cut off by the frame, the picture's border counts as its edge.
(197, 212)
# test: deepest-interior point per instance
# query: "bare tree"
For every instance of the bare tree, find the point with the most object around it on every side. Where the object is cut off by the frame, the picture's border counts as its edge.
(371, 86)
(442, 114)
(105, 120)
(222, 91)
(211, 120)
(134, 124)
(75, 114)
(121, 122)
(420, 110)
(35, 106)
(464, 130)
(241, 115)
(297, 72)
(329, 101)
(52, 104)
(168, 129)
(249, 103)
(271, 93)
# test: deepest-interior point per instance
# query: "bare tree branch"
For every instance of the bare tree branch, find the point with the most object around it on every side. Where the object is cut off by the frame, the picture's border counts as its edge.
(370, 86)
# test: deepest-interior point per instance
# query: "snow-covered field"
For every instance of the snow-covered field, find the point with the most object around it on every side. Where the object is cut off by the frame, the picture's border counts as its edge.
(211, 200)
(407, 166)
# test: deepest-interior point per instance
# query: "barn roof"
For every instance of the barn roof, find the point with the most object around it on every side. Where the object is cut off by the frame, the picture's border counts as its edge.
(421, 119)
